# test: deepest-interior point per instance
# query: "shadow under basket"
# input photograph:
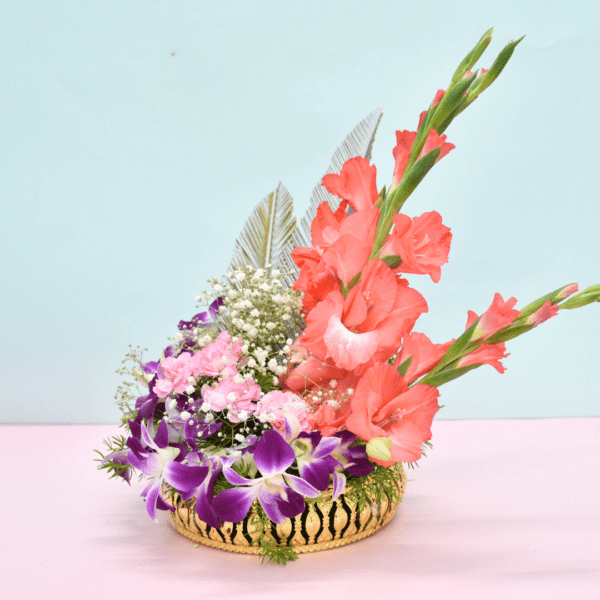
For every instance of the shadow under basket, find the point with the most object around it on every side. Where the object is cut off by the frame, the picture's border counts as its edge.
(324, 524)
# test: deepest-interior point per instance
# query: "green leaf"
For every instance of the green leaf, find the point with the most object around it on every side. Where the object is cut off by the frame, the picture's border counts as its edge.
(580, 300)
(457, 347)
(508, 334)
(405, 365)
(267, 232)
(497, 67)
(470, 59)
(452, 101)
(533, 306)
(392, 260)
(446, 376)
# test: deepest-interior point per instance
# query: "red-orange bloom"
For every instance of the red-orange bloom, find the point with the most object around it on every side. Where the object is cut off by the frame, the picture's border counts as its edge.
(356, 183)
(424, 353)
(401, 152)
(434, 141)
(368, 324)
(384, 406)
(543, 313)
(423, 244)
(500, 314)
(486, 354)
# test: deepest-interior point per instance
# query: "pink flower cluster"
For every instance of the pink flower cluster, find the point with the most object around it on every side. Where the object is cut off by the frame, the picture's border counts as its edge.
(241, 396)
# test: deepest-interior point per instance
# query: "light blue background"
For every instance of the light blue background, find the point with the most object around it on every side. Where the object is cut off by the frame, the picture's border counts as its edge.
(137, 137)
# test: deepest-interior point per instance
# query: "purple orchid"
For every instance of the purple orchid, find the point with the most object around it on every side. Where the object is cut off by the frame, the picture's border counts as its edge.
(279, 493)
(157, 460)
(205, 491)
(203, 319)
(350, 458)
(313, 453)
(119, 458)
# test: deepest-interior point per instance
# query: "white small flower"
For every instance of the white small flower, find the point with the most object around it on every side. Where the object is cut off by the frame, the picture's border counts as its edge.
(255, 313)
(172, 404)
(240, 276)
(205, 407)
(185, 415)
(276, 273)
(252, 363)
(238, 379)
(247, 293)
(209, 418)
(231, 397)
(190, 389)
(217, 287)
(289, 341)
(242, 415)
(239, 437)
(275, 381)
(178, 336)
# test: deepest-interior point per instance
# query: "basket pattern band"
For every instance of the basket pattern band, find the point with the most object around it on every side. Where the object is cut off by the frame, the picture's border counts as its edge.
(324, 524)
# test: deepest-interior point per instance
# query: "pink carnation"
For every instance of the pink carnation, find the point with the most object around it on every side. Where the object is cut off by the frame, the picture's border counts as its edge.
(240, 396)
(173, 375)
(218, 358)
(277, 403)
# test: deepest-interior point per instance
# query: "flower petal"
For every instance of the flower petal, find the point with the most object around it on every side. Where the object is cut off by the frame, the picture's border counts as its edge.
(233, 505)
(339, 483)
(273, 454)
(184, 478)
(278, 507)
(302, 487)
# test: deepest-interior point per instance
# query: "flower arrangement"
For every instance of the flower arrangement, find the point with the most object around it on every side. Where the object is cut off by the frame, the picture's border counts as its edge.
(304, 375)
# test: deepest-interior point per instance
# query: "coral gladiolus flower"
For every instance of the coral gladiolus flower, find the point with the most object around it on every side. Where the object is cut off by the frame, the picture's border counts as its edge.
(500, 314)
(356, 183)
(384, 406)
(434, 141)
(404, 142)
(368, 324)
(424, 353)
(486, 354)
(543, 313)
(423, 244)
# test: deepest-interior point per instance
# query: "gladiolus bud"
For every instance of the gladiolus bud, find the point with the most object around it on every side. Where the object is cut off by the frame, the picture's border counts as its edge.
(379, 448)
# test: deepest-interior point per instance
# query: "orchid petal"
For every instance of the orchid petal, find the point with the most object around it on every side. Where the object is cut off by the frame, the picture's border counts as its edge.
(300, 486)
(233, 505)
(151, 500)
(316, 473)
(280, 508)
(273, 454)
(339, 483)
(237, 479)
(326, 447)
(184, 478)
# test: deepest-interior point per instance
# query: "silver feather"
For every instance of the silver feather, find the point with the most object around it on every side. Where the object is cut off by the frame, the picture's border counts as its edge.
(359, 142)
(267, 234)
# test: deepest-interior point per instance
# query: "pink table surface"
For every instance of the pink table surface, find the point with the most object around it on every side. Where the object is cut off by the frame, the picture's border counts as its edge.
(499, 509)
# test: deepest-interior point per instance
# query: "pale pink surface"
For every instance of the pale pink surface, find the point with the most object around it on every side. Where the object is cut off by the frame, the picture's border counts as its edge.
(499, 509)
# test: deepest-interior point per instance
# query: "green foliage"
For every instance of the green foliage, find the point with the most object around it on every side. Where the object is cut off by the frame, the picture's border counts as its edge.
(372, 489)
(270, 551)
(115, 445)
